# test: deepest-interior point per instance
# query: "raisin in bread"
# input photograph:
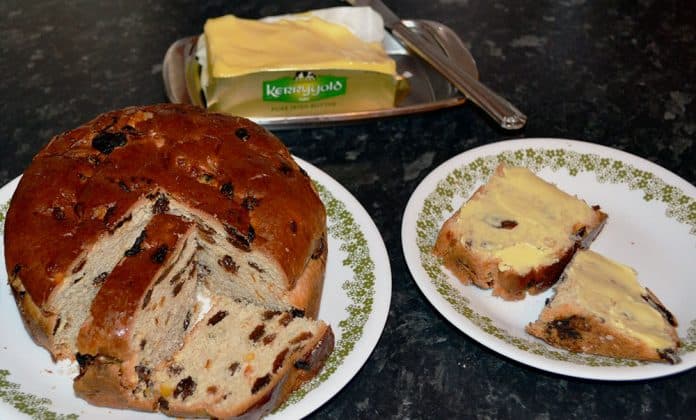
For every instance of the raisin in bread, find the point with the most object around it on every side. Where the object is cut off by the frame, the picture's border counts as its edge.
(599, 307)
(516, 234)
(240, 359)
(261, 227)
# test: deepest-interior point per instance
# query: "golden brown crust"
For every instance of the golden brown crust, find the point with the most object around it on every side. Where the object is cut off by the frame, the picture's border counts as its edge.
(311, 364)
(570, 328)
(657, 304)
(470, 267)
(99, 384)
(39, 324)
(225, 166)
(307, 292)
(313, 361)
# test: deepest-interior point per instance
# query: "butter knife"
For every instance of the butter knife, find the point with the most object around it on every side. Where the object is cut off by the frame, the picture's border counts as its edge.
(502, 111)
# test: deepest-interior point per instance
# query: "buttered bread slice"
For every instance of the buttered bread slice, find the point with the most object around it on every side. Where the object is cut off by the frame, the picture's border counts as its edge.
(516, 234)
(600, 308)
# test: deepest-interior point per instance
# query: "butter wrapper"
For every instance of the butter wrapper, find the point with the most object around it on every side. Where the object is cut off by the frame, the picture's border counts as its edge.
(320, 62)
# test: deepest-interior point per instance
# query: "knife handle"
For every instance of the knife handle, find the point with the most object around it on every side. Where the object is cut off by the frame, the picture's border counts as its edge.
(502, 111)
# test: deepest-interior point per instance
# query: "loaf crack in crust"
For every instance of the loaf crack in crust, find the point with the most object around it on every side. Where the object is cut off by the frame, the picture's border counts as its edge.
(118, 225)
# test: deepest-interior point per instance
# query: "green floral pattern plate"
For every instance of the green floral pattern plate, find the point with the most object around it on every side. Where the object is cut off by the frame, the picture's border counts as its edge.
(356, 298)
(651, 227)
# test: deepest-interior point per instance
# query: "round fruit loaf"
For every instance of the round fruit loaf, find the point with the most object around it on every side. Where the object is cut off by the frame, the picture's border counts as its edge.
(84, 202)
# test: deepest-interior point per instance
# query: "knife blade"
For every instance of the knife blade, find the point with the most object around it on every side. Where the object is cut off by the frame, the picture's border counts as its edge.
(499, 108)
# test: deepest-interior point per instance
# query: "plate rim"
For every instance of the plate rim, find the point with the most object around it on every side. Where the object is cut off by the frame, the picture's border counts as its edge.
(494, 150)
(378, 316)
(348, 367)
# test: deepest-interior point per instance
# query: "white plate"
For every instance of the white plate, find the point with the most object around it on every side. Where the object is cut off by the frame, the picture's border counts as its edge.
(355, 301)
(651, 227)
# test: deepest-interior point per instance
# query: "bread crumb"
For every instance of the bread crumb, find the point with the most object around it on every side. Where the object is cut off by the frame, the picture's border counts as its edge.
(66, 367)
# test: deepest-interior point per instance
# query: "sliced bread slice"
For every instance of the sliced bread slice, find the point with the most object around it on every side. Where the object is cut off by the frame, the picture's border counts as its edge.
(516, 234)
(600, 308)
(241, 359)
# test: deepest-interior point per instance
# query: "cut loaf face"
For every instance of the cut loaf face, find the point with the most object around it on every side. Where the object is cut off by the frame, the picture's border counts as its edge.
(516, 234)
(600, 308)
(241, 356)
(240, 359)
(118, 225)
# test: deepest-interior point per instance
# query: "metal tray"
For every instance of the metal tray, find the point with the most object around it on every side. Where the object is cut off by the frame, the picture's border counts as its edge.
(428, 90)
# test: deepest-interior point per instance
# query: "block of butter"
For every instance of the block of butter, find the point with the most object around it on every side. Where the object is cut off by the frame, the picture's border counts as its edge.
(319, 62)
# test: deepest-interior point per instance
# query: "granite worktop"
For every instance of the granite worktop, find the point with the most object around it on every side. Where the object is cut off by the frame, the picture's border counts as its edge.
(620, 74)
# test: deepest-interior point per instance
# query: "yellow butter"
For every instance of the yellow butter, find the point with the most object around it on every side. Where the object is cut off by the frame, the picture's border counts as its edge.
(241, 46)
(611, 291)
(544, 215)
(325, 61)
(522, 256)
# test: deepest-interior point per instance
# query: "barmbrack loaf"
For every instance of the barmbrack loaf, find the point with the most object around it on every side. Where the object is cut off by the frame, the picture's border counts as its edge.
(516, 234)
(118, 225)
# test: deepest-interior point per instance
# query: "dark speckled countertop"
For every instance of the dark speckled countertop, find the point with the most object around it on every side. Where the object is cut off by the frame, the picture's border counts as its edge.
(617, 73)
